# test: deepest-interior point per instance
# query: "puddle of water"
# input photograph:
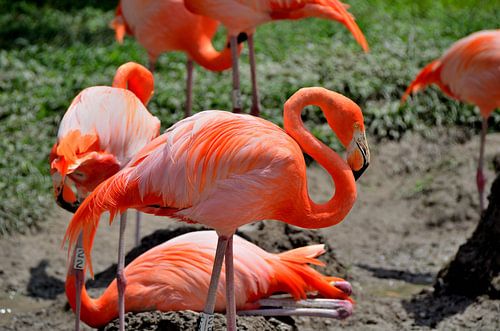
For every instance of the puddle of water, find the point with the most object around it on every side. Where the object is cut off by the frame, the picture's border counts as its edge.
(14, 303)
(395, 289)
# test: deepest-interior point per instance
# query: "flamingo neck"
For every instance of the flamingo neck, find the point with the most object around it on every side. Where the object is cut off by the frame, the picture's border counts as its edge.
(93, 312)
(307, 213)
(137, 79)
(209, 58)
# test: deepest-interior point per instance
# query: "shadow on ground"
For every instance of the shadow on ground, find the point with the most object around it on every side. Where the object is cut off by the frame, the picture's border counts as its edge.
(409, 277)
(41, 285)
(429, 310)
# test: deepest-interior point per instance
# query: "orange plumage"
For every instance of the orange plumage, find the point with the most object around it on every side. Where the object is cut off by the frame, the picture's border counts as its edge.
(166, 25)
(101, 131)
(175, 276)
(470, 72)
(225, 170)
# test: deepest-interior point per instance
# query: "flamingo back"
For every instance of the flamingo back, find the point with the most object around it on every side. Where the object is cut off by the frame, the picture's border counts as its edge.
(177, 275)
(111, 120)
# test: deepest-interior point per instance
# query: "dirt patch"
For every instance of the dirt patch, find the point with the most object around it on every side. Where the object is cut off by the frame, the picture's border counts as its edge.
(417, 204)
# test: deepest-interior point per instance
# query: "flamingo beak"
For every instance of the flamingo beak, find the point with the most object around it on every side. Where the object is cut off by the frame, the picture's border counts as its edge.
(65, 196)
(358, 154)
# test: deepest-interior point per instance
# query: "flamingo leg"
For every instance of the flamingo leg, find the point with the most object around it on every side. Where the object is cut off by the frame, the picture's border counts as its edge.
(339, 313)
(480, 178)
(255, 91)
(230, 300)
(121, 281)
(137, 228)
(206, 320)
(78, 264)
(189, 88)
(236, 96)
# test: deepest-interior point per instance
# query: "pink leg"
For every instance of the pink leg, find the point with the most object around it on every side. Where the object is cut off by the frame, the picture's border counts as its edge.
(121, 281)
(255, 91)
(480, 179)
(236, 97)
(137, 228)
(78, 264)
(230, 300)
(189, 88)
(206, 320)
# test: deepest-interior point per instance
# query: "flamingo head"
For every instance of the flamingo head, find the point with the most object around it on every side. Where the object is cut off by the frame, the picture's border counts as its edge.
(358, 153)
(75, 175)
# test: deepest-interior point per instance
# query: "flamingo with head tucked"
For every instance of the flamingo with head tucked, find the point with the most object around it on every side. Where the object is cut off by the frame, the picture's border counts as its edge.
(225, 170)
(470, 72)
(166, 25)
(171, 276)
(241, 18)
(101, 131)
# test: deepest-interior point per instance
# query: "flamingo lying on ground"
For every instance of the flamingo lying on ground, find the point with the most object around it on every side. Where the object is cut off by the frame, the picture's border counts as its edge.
(241, 18)
(166, 25)
(468, 71)
(171, 277)
(225, 170)
(98, 135)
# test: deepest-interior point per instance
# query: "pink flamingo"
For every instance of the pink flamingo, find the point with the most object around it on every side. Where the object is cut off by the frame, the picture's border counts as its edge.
(171, 276)
(241, 18)
(225, 170)
(166, 25)
(98, 135)
(468, 71)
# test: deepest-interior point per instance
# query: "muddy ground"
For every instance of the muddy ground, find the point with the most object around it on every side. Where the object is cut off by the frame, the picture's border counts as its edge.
(417, 203)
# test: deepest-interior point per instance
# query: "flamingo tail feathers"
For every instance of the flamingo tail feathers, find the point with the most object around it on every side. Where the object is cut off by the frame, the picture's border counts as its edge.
(428, 75)
(294, 275)
(108, 196)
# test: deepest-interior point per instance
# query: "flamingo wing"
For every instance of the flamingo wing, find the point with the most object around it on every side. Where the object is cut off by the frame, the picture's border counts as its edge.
(176, 274)
(196, 169)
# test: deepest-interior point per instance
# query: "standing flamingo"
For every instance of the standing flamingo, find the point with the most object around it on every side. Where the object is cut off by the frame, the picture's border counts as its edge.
(98, 135)
(166, 25)
(468, 71)
(225, 170)
(241, 18)
(171, 276)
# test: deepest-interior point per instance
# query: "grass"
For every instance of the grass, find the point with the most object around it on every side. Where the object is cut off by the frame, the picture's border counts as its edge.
(51, 51)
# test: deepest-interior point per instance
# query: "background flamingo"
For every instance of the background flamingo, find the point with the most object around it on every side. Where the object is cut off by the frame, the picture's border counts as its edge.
(100, 132)
(469, 71)
(166, 25)
(225, 170)
(241, 18)
(172, 275)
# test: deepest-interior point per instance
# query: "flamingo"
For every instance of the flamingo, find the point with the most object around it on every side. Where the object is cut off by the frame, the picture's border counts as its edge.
(100, 132)
(470, 72)
(224, 170)
(166, 25)
(241, 18)
(170, 276)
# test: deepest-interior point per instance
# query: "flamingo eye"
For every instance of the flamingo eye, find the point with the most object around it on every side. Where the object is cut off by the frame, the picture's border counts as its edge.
(79, 176)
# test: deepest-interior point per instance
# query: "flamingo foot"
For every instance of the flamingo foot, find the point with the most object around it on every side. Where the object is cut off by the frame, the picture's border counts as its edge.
(344, 286)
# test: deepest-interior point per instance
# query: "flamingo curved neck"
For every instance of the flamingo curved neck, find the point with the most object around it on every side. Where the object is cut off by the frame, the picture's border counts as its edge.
(211, 59)
(93, 312)
(137, 79)
(314, 215)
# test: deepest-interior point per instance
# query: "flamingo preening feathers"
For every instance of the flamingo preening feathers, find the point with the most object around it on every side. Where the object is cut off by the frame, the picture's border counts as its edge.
(101, 131)
(241, 18)
(225, 170)
(470, 72)
(166, 25)
(171, 277)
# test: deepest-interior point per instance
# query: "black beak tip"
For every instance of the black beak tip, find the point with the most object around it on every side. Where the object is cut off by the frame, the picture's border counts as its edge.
(357, 173)
(241, 38)
(71, 207)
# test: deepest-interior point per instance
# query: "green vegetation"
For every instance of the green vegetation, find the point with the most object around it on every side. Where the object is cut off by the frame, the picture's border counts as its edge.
(51, 51)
